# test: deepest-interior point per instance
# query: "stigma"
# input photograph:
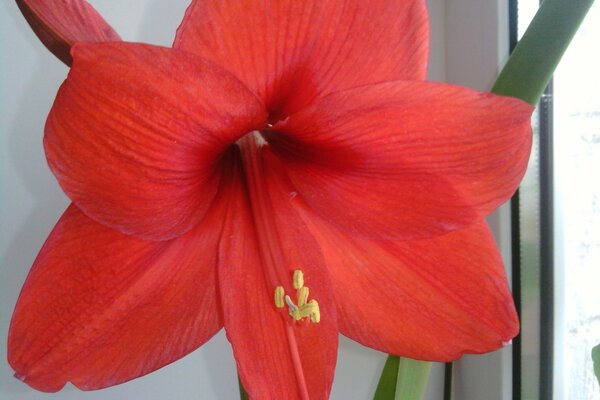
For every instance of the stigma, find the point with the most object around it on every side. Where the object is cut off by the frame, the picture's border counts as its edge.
(302, 309)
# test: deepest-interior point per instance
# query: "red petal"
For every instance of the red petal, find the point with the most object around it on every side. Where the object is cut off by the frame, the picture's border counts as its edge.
(290, 51)
(136, 133)
(100, 308)
(406, 159)
(430, 299)
(60, 24)
(257, 330)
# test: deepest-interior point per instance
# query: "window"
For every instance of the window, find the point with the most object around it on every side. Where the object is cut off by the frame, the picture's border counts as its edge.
(577, 214)
(559, 230)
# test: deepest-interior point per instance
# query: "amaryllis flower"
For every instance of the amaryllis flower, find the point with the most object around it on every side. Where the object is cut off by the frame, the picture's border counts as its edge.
(284, 172)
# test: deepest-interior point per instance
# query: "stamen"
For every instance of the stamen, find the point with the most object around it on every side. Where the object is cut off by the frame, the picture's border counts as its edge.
(298, 279)
(302, 309)
(315, 313)
(279, 293)
(302, 296)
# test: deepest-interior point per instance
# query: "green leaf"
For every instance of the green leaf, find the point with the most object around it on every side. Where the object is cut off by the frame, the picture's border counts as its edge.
(402, 379)
(534, 59)
(386, 388)
(596, 359)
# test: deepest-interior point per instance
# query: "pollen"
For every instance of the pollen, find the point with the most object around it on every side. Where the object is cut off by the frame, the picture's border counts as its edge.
(303, 308)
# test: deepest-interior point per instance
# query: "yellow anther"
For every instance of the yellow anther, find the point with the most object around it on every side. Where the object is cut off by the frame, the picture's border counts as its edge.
(302, 296)
(279, 293)
(295, 313)
(298, 280)
(303, 309)
(308, 310)
(315, 313)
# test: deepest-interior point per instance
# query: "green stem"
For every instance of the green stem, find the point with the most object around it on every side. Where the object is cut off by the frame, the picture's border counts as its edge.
(533, 61)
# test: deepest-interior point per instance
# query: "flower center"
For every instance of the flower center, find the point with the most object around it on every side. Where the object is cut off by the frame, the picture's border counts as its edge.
(302, 309)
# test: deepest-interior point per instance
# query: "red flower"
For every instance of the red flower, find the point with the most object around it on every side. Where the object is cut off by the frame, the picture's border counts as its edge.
(276, 137)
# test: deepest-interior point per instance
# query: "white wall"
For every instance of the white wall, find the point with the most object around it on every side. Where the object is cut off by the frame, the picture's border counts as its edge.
(31, 201)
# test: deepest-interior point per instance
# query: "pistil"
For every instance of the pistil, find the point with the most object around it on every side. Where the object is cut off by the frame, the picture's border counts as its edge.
(260, 202)
(276, 269)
